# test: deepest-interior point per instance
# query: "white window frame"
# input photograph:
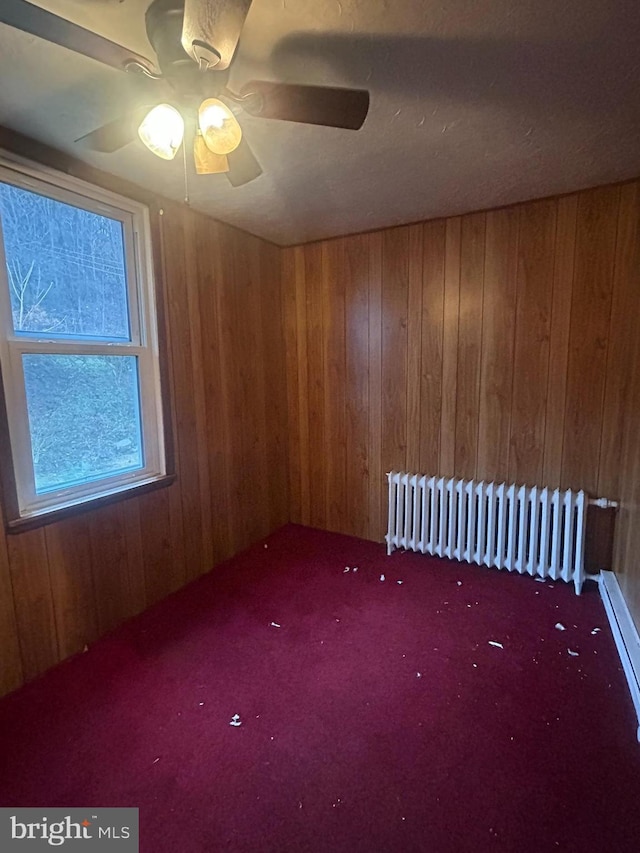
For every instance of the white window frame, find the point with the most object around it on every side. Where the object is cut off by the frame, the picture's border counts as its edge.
(143, 342)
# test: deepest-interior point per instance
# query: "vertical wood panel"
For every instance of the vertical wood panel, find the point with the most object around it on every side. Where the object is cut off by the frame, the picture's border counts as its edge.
(185, 510)
(159, 570)
(451, 319)
(11, 675)
(431, 346)
(395, 294)
(589, 336)
(472, 245)
(377, 485)
(129, 516)
(303, 385)
(252, 470)
(293, 369)
(559, 343)
(215, 355)
(110, 568)
(355, 263)
(333, 357)
(274, 398)
(72, 584)
(315, 371)
(203, 558)
(414, 346)
(498, 327)
(533, 328)
(623, 327)
(33, 601)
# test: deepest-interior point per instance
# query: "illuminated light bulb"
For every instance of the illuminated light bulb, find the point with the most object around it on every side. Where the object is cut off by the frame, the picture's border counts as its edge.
(162, 131)
(219, 127)
(213, 116)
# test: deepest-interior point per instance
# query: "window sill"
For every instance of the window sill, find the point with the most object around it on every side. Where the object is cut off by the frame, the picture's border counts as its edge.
(20, 525)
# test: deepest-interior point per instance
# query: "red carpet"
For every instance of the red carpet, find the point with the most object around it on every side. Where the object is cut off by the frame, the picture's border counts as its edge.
(343, 746)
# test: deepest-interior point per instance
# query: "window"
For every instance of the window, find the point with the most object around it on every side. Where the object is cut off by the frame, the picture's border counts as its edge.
(78, 343)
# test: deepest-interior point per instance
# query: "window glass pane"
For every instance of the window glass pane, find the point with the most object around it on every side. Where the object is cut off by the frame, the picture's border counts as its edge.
(84, 417)
(65, 267)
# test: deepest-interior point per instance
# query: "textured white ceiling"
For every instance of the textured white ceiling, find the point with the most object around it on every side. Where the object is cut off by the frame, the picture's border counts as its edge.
(475, 104)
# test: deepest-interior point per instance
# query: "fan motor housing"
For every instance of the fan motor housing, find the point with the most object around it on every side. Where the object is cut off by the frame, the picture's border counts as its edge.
(163, 22)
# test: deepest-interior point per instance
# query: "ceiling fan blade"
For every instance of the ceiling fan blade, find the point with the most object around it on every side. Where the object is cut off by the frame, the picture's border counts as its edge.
(214, 24)
(115, 134)
(45, 25)
(243, 166)
(323, 105)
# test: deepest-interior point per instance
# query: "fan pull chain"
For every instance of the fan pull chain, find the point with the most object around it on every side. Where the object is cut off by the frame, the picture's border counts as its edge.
(186, 177)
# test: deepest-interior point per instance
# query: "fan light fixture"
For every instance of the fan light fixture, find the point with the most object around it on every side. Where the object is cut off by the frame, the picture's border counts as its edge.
(205, 161)
(162, 131)
(219, 127)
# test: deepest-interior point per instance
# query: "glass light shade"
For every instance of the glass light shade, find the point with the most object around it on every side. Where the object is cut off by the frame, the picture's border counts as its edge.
(162, 130)
(219, 127)
(206, 162)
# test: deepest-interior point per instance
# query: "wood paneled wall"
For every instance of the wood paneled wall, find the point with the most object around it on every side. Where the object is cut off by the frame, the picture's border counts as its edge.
(63, 585)
(627, 543)
(501, 345)
(496, 345)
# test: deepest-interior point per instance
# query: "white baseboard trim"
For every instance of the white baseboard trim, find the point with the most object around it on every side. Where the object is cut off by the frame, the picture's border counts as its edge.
(625, 634)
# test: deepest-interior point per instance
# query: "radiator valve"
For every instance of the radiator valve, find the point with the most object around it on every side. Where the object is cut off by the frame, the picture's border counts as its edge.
(603, 503)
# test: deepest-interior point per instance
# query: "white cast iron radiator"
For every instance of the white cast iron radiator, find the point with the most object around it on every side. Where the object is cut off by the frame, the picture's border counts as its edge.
(523, 529)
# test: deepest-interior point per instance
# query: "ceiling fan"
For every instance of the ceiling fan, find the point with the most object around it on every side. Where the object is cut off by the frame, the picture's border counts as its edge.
(195, 42)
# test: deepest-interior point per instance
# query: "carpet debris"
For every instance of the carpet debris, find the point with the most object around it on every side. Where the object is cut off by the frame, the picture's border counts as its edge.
(355, 569)
(418, 675)
(400, 583)
(540, 580)
(496, 644)
(382, 577)
(459, 583)
(572, 653)
(265, 545)
(275, 625)
(345, 570)
(560, 626)
(596, 630)
(155, 760)
(235, 720)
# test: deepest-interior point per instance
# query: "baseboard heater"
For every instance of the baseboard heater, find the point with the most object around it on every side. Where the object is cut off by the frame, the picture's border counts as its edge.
(526, 529)
(625, 635)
